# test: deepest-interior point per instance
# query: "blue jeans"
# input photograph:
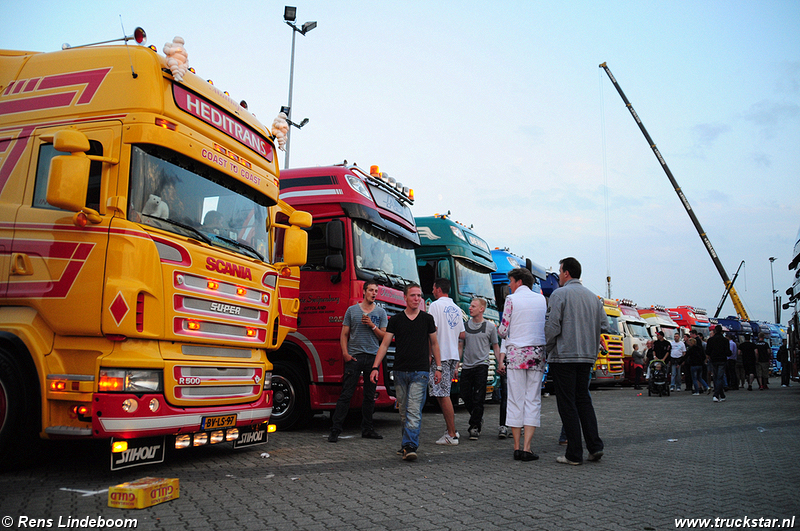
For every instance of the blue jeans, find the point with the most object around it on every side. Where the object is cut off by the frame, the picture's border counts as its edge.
(411, 388)
(575, 408)
(697, 379)
(719, 379)
(676, 375)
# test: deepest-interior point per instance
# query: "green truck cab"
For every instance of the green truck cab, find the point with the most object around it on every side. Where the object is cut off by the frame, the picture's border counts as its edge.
(453, 251)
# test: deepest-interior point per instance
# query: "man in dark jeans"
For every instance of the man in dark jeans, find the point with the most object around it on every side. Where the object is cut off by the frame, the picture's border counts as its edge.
(363, 327)
(480, 336)
(718, 350)
(575, 321)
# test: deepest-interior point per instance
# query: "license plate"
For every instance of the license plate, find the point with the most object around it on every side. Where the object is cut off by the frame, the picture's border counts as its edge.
(252, 437)
(220, 421)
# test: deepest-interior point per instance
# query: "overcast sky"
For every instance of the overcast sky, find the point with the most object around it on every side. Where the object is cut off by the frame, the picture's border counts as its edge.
(499, 113)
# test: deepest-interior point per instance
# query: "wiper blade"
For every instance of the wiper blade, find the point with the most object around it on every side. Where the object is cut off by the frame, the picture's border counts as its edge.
(184, 226)
(241, 246)
(380, 272)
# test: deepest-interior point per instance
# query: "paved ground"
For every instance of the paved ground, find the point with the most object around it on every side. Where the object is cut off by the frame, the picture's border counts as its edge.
(666, 458)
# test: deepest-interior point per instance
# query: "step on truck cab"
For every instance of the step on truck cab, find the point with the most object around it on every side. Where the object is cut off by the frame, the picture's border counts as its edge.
(363, 230)
(147, 264)
(453, 251)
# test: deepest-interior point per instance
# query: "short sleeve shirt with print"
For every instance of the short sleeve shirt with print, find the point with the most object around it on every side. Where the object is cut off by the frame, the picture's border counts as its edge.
(478, 341)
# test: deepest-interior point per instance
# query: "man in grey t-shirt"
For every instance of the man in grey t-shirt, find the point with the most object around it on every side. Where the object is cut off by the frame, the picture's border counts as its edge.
(480, 336)
(363, 328)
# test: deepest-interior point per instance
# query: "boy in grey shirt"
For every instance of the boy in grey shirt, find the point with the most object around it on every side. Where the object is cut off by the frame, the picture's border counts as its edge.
(363, 328)
(480, 336)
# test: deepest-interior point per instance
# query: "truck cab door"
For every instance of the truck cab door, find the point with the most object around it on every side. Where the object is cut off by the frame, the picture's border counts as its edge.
(57, 267)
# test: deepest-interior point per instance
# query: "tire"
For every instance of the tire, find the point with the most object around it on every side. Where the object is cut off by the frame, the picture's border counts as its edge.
(19, 413)
(290, 400)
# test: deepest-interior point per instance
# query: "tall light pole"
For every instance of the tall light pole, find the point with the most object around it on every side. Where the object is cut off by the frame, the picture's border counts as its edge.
(289, 16)
(774, 303)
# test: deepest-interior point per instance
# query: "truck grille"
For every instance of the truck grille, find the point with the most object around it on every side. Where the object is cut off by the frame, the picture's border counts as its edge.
(198, 385)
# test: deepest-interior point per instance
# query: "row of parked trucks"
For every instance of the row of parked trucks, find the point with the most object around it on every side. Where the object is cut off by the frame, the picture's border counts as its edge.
(164, 285)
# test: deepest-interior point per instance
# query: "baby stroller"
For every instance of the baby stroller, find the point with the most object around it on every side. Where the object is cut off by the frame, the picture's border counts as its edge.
(658, 384)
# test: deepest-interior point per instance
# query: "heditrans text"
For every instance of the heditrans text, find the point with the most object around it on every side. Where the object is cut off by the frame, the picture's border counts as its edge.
(87, 522)
(744, 522)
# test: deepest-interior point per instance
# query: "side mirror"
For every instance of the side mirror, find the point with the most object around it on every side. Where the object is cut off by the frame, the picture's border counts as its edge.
(334, 262)
(334, 235)
(68, 178)
(295, 247)
(300, 219)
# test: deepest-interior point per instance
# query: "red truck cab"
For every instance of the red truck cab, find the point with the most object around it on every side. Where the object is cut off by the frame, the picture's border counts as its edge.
(363, 230)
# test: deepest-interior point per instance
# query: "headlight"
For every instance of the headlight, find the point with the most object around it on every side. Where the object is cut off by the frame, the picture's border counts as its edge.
(267, 381)
(130, 381)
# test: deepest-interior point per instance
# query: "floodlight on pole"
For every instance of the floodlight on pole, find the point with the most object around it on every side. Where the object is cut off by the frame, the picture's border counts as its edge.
(289, 16)
(775, 303)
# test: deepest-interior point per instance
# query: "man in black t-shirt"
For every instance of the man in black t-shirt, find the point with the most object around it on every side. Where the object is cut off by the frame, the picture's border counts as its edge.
(764, 357)
(415, 340)
(748, 350)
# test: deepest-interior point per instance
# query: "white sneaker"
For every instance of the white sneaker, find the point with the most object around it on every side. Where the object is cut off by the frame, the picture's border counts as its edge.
(715, 399)
(677, 389)
(447, 440)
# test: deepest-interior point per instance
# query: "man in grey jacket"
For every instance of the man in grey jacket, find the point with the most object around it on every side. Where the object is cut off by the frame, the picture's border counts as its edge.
(575, 320)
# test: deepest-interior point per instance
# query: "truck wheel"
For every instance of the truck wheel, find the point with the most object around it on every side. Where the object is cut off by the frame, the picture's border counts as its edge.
(18, 414)
(290, 400)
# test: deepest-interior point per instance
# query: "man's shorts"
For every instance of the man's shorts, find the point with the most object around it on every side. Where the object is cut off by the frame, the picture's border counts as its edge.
(762, 369)
(442, 389)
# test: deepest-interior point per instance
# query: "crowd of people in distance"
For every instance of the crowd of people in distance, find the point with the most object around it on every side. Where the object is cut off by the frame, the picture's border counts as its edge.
(720, 363)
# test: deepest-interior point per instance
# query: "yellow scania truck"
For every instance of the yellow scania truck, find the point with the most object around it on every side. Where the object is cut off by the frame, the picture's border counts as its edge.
(147, 266)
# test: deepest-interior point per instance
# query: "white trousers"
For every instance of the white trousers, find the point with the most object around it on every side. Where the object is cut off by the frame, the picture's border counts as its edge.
(524, 398)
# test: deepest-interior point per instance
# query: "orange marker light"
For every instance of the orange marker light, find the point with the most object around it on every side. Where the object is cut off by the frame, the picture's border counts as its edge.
(166, 124)
(213, 285)
(192, 325)
(241, 292)
(109, 383)
(251, 332)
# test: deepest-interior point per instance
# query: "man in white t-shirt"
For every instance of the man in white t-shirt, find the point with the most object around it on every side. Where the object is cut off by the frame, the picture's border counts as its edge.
(449, 330)
(676, 360)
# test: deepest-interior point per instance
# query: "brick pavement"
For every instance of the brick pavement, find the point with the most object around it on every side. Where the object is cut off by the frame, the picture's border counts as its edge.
(677, 457)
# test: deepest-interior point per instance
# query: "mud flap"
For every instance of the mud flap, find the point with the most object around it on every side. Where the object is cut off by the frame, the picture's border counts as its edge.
(140, 452)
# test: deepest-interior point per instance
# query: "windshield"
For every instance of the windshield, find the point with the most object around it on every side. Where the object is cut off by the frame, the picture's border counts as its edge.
(613, 324)
(382, 255)
(473, 282)
(639, 330)
(180, 195)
